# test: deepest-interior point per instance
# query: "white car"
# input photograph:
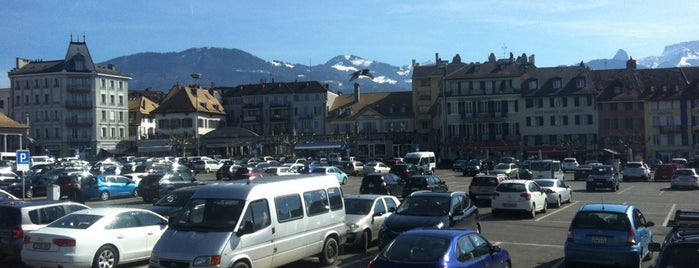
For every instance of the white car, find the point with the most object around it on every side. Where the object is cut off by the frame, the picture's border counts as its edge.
(206, 165)
(508, 169)
(279, 171)
(636, 170)
(5, 196)
(365, 215)
(519, 196)
(569, 164)
(556, 190)
(97, 237)
(376, 167)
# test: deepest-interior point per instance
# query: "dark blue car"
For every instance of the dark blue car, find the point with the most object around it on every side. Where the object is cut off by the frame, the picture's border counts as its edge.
(441, 248)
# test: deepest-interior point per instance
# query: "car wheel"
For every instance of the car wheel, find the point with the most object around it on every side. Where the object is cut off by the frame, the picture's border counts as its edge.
(570, 198)
(546, 206)
(106, 257)
(558, 202)
(478, 228)
(508, 264)
(207, 170)
(104, 196)
(363, 242)
(648, 256)
(241, 264)
(532, 212)
(135, 192)
(331, 249)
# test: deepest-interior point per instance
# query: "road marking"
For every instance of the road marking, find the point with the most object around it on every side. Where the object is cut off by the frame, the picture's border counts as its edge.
(558, 210)
(529, 244)
(669, 214)
(626, 190)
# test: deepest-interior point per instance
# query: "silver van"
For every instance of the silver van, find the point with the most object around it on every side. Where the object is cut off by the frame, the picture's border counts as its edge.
(266, 222)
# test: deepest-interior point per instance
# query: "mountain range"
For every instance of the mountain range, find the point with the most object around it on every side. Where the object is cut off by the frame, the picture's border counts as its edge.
(232, 67)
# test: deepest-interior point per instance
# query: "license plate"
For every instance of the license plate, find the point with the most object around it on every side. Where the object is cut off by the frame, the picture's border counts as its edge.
(599, 240)
(600, 183)
(509, 205)
(43, 246)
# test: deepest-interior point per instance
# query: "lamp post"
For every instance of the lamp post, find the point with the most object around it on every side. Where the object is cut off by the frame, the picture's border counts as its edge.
(196, 77)
(442, 65)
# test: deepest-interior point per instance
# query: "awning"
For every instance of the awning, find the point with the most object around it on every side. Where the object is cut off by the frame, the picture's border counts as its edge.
(154, 148)
(316, 145)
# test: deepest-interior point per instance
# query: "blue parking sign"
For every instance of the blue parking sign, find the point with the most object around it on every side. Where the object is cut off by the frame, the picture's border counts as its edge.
(23, 157)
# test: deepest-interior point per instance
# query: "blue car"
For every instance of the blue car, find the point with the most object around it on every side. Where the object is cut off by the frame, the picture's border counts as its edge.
(608, 234)
(105, 187)
(441, 248)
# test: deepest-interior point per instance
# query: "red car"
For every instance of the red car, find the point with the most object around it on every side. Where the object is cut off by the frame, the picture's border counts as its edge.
(665, 171)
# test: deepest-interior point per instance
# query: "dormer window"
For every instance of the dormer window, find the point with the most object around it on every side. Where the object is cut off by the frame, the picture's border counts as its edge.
(580, 82)
(617, 89)
(557, 83)
(533, 84)
(79, 62)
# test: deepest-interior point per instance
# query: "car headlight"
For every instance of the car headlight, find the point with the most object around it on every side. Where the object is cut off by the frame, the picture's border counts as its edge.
(207, 260)
(352, 227)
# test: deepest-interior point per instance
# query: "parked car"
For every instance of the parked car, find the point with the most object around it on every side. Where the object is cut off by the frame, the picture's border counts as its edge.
(557, 192)
(684, 178)
(441, 248)
(21, 217)
(474, 167)
(172, 203)
(459, 164)
(97, 237)
(351, 167)
(6, 196)
(681, 244)
(382, 183)
(278, 171)
(393, 161)
(424, 182)
(602, 176)
(206, 165)
(404, 170)
(331, 170)
(582, 172)
(608, 234)
(376, 167)
(681, 162)
(508, 169)
(157, 185)
(33, 186)
(71, 187)
(569, 164)
(432, 210)
(519, 196)
(105, 187)
(664, 171)
(7, 178)
(482, 186)
(636, 170)
(365, 215)
(654, 163)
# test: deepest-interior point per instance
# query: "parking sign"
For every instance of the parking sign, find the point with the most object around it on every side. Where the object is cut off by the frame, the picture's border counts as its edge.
(23, 160)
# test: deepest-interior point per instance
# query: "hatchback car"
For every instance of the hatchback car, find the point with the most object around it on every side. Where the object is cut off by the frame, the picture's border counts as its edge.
(582, 172)
(569, 164)
(432, 210)
(664, 171)
(157, 185)
(608, 234)
(382, 183)
(441, 248)
(459, 164)
(21, 217)
(508, 169)
(557, 192)
(376, 167)
(365, 214)
(404, 170)
(330, 170)
(424, 182)
(636, 170)
(519, 196)
(684, 178)
(105, 187)
(483, 186)
(602, 176)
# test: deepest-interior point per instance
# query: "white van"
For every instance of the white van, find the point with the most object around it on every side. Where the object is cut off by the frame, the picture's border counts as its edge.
(546, 169)
(9, 156)
(266, 222)
(425, 162)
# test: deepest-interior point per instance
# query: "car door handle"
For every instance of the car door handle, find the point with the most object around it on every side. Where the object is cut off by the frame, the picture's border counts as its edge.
(120, 236)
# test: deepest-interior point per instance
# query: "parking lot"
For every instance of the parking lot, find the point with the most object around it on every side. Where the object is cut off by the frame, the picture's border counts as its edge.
(534, 242)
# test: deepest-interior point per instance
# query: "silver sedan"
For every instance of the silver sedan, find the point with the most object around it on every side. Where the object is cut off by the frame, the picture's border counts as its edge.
(556, 190)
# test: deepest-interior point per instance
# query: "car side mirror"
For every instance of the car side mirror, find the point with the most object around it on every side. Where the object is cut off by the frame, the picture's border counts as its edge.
(494, 249)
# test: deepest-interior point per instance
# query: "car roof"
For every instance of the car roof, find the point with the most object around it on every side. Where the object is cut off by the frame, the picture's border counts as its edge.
(516, 181)
(426, 192)
(612, 207)
(37, 203)
(365, 196)
(104, 211)
(445, 233)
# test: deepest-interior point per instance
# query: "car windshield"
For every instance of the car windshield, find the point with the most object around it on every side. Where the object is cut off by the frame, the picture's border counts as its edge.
(417, 248)
(474, 162)
(540, 166)
(544, 183)
(210, 214)
(601, 171)
(633, 165)
(75, 221)
(601, 220)
(511, 188)
(174, 199)
(424, 206)
(356, 206)
(485, 181)
(502, 166)
(684, 172)
(412, 160)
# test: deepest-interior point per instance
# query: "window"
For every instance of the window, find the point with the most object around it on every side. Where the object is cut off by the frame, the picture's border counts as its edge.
(258, 214)
(580, 82)
(288, 208)
(532, 84)
(557, 83)
(316, 202)
(104, 98)
(335, 196)
(46, 98)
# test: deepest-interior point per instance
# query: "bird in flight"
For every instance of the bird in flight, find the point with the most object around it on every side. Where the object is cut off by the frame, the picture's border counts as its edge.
(364, 72)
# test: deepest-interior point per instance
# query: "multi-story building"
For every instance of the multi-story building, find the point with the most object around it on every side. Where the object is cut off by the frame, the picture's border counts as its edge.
(559, 116)
(141, 120)
(5, 101)
(427, 88)
(372, 125)
(72, 105)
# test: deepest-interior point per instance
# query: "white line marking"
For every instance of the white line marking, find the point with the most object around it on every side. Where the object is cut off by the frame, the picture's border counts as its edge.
(625, 190)
(558, 210)
(669, 214)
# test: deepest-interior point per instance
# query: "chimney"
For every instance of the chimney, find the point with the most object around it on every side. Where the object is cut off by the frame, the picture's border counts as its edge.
(20, 62)
(631, 64)
(436, 58)
(532, 59)
(414, 63)
(356, 92)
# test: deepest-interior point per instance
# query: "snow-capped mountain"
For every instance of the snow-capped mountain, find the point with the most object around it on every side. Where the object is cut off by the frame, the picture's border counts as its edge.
(678, 55)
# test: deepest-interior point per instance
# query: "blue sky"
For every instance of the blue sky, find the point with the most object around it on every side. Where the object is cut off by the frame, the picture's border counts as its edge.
(395, 32)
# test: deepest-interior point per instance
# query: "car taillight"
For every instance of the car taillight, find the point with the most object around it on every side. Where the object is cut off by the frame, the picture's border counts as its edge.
(526, 196)
(64, 242)
(570, 234)
(632, 237)
(370, 264)
(549, 191)
(17, 233)
(495, 195)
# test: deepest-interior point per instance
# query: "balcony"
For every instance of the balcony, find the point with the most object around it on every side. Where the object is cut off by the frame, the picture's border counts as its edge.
(81, 89)
(485, 117)
(78, 122)
(78, 105)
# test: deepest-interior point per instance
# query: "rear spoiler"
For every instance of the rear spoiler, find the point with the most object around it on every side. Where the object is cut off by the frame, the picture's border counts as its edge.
(685, 218)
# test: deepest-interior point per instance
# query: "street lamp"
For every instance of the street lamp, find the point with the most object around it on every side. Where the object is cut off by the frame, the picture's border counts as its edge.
(196, 77)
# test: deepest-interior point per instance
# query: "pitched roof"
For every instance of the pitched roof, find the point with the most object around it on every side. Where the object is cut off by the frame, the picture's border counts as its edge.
(567, 75)
(282, 88)
(184, 99)
(6, 122)
(388, 104)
